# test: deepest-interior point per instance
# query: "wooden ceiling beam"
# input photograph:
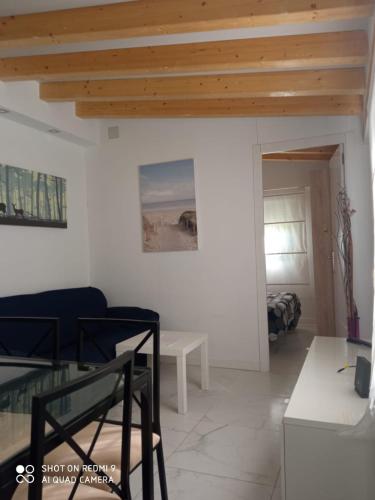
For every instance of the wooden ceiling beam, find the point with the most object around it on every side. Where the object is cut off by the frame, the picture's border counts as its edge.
(205, 108)
(285, 52)
(287, 156)
(323, 153)
(275, 84)
(148, 17)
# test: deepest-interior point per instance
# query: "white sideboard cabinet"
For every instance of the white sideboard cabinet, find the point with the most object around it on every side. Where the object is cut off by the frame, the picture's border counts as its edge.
(321, 460)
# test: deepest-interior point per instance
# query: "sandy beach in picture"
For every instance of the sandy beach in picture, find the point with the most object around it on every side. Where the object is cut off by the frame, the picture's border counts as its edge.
(162, 231)
(168, 207)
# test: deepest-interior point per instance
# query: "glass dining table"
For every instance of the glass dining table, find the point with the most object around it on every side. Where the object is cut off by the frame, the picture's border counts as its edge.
(20, 380)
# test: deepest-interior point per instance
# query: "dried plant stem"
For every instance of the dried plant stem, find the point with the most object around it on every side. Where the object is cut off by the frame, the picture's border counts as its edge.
(345, 247)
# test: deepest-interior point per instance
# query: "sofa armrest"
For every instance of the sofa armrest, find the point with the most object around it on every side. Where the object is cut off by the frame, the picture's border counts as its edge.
(54, 330)
(137, 313)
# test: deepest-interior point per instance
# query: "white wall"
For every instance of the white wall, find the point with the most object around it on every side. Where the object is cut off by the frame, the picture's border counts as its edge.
(35, 258)
(358, 181)
(214, 289)
(22, 99)
(285, 174)
(210, 290)
(333, 130)
(371, 134)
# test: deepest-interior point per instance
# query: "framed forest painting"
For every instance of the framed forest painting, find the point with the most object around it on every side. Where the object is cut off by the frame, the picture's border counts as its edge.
(29, 198)
(169, 216)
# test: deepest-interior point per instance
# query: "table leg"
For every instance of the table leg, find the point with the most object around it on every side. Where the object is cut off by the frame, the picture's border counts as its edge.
(181, 384)
(150, 361)
(205, 373)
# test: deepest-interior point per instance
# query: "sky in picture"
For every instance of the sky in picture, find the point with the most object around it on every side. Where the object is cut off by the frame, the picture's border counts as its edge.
(167, 182)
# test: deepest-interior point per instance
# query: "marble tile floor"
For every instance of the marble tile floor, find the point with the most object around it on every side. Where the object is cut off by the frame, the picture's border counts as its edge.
(227, 447)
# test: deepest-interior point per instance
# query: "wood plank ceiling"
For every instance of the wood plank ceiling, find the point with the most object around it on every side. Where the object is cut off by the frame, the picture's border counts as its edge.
(323, 153)
(290, 75)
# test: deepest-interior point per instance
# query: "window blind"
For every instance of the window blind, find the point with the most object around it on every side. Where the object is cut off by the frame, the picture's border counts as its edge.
(285, 239)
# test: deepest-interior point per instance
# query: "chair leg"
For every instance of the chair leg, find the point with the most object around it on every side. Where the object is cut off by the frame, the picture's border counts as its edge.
(161, 468)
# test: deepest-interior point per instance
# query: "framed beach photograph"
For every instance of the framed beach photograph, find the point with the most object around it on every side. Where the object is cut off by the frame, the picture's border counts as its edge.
(169, 216)
(30, 198)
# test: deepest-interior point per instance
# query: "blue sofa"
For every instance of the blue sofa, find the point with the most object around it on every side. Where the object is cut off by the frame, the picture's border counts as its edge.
(43, 324)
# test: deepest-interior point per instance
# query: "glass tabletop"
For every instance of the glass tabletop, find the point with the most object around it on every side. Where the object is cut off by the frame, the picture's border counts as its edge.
(21, 379)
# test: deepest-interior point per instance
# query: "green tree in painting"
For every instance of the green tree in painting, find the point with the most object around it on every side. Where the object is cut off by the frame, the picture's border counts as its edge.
(7, 187)
(46, 198)
(39, 175)
(31, 198)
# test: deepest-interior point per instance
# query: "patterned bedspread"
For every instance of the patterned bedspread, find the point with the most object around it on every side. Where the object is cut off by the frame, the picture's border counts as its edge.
(284, 311)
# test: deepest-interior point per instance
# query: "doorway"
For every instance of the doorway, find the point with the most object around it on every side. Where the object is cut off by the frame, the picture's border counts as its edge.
(302, 283)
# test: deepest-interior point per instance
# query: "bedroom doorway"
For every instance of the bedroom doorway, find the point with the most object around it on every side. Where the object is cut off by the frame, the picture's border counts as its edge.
(303, 283)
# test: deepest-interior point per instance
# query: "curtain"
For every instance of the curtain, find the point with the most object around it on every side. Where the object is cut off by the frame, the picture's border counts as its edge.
(285, 239)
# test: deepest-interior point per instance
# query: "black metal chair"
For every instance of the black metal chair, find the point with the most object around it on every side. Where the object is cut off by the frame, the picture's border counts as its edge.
(85, 400)
(152, 329)
(29, 344)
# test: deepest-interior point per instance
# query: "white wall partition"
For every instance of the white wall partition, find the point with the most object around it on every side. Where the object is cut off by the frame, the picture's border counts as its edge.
(214, 289)
(371, 132)
(39, 258)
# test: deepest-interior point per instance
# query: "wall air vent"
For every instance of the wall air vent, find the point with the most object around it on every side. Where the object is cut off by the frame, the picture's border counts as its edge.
(113, 132)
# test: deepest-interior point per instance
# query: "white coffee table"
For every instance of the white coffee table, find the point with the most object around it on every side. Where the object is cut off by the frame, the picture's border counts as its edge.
(178, 345)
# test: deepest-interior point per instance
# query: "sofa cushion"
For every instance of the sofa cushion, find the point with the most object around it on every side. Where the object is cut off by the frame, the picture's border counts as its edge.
(66, 304)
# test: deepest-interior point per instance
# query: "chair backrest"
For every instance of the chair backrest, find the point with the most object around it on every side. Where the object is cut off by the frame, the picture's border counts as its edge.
(153, 331)
(30, 336)
(72, 407)
(155, 335)
(153, 328)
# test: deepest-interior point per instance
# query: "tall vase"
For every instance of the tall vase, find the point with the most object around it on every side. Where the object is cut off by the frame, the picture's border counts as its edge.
(353, 328)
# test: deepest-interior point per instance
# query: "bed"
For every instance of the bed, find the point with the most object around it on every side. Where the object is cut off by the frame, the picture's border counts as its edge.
(284, 311)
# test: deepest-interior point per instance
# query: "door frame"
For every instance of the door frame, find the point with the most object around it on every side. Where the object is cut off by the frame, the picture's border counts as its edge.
(258, 151)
